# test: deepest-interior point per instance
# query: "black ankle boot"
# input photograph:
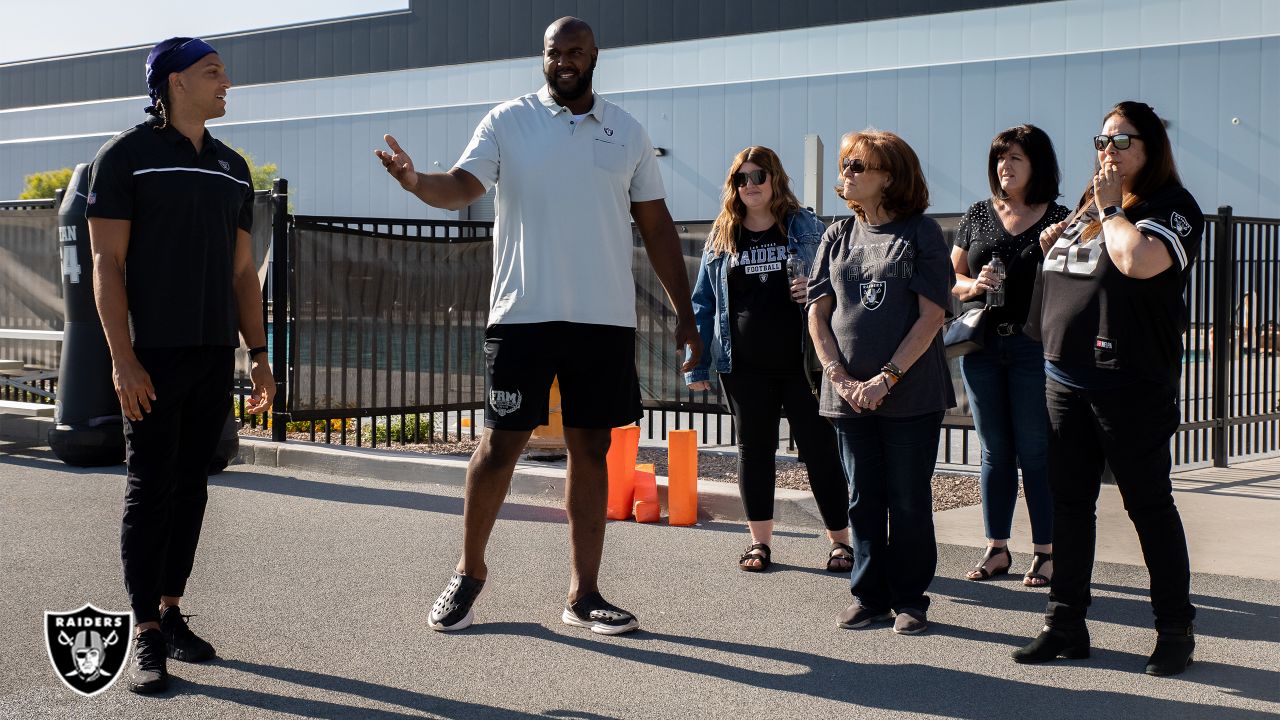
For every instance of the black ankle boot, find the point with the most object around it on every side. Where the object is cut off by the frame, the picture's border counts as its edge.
(1052, 644)
(1173, 652)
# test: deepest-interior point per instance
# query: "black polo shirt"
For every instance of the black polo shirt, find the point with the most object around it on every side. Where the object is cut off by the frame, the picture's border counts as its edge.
(184, 209)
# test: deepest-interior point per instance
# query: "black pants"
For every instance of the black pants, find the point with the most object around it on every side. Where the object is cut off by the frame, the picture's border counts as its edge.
(757, 400)
(1130, 429)
(168, 454)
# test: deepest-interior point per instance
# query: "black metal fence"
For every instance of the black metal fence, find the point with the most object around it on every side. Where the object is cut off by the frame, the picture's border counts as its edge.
(378, 338)
(387, 325)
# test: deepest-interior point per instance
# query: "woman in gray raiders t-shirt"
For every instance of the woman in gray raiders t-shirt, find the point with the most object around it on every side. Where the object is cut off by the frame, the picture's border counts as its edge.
(877, 295)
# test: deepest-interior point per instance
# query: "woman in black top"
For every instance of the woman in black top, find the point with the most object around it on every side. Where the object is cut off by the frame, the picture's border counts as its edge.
(1111, 319)
(748, 312)
(876, 299)
(1005, 379)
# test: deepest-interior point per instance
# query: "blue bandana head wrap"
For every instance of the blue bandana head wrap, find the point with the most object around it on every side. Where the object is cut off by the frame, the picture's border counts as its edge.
(172, 55)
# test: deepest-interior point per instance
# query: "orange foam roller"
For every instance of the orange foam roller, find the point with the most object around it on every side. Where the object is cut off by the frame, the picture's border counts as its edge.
(682, 477)
(648, 512)
(621, 462)
(646, 483)
(646, 494)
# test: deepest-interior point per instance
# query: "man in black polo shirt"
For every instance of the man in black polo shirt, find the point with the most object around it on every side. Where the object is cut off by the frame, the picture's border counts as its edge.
(170, 209)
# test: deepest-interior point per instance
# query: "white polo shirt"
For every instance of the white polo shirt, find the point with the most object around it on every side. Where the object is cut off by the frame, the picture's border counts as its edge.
(562, 247)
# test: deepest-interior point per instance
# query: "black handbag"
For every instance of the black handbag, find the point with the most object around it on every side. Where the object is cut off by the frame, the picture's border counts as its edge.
(965, 332)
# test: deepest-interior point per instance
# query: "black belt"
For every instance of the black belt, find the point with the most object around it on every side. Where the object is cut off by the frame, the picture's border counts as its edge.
(1007, 329)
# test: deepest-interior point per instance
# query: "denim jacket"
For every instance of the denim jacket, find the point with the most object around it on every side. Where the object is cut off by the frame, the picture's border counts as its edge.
(711, 294)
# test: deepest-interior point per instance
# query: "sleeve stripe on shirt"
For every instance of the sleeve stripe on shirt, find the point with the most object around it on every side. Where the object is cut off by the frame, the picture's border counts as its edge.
(1174, 241)
(190, 169)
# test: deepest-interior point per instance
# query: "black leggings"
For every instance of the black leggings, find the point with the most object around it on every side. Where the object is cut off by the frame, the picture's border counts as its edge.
(756, 400)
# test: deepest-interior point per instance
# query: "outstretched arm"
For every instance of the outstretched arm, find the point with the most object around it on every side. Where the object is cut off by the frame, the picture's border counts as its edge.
(451, 190)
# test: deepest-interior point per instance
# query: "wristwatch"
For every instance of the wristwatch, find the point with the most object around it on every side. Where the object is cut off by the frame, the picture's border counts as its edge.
(1111, 211)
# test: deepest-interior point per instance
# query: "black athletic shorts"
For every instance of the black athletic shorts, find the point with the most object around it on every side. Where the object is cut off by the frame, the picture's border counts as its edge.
(595, 364)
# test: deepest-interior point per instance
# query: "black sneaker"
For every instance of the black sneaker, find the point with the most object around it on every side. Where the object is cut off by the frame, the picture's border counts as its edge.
(858, 616)
(594, 612)
(452, 610)
(183, 644)
(147, 671)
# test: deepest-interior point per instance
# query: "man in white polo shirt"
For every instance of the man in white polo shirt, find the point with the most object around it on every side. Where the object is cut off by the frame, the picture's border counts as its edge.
(572, 170)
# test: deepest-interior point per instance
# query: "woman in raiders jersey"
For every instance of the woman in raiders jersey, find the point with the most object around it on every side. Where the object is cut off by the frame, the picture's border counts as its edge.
(1111, 317)
(744, 300)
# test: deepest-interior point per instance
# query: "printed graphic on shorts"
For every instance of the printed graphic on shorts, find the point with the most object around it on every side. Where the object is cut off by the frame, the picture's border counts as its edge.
(503, 402)
(872, 294)
(88, 647)
(1180, 224)
(761, 260)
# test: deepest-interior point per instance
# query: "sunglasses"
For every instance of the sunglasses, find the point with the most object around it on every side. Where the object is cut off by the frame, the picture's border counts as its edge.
(756, 177)
(855, 165)
(1122, 141)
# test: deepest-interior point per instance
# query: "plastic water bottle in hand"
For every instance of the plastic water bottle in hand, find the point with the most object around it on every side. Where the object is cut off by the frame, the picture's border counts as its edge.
(796, 267)
(995, 297)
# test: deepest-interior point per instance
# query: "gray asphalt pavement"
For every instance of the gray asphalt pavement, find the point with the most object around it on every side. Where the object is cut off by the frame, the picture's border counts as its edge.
(315, 590)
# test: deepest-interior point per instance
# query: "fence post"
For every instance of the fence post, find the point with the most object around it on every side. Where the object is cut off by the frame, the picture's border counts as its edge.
(280, 306)
(1223, 332)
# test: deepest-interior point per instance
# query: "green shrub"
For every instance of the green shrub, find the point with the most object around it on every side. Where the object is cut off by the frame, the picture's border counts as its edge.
(416, 428)
(43, 185)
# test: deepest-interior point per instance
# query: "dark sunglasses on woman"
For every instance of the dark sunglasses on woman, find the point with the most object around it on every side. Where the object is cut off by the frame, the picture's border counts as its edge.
(855, 165)
(755, 176)
(1122, 141)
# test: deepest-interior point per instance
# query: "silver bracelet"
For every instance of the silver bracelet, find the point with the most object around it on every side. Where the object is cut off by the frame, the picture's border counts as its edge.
(826, 369)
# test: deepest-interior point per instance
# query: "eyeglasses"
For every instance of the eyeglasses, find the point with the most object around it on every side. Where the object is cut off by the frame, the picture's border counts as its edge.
(1122, 141)
(855, 165)
(756, 177)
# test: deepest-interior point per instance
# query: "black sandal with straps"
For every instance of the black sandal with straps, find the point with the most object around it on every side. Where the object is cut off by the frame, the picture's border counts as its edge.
(1035, 578)
(840, 553)
(980, 571)
(758, 552)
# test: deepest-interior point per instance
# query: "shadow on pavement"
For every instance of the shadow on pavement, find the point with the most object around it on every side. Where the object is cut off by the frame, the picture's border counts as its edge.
(1215, 616)
(918, 688)
(374, 692)
(382, 497)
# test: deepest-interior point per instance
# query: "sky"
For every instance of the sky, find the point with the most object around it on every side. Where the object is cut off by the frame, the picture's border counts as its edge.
(35, 29)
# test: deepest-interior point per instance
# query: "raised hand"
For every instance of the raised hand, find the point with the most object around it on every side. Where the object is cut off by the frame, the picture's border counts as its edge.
(398, 164)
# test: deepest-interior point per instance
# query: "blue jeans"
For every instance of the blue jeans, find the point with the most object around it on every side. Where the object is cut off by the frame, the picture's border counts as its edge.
(1005, 383)
(889, 463)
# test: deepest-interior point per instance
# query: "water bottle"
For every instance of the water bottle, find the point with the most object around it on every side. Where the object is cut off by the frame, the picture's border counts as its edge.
(796, 267)
(995, 298)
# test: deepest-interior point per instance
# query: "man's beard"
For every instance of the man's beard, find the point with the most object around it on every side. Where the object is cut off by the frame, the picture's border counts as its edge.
(579, 88)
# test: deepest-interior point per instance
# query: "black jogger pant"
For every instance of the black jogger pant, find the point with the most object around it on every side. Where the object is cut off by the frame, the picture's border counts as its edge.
(168, 454)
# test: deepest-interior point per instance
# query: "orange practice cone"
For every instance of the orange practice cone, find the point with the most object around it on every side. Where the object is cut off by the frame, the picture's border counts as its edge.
(682, 477)
(646, 494)
(621, 462)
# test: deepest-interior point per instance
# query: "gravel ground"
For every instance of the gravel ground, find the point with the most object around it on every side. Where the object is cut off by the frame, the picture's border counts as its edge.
(950, 490)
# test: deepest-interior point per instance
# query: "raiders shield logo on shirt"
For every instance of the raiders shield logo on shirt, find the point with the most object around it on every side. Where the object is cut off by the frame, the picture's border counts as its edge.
(872, 294)
(1180, 224)
(88, 647)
